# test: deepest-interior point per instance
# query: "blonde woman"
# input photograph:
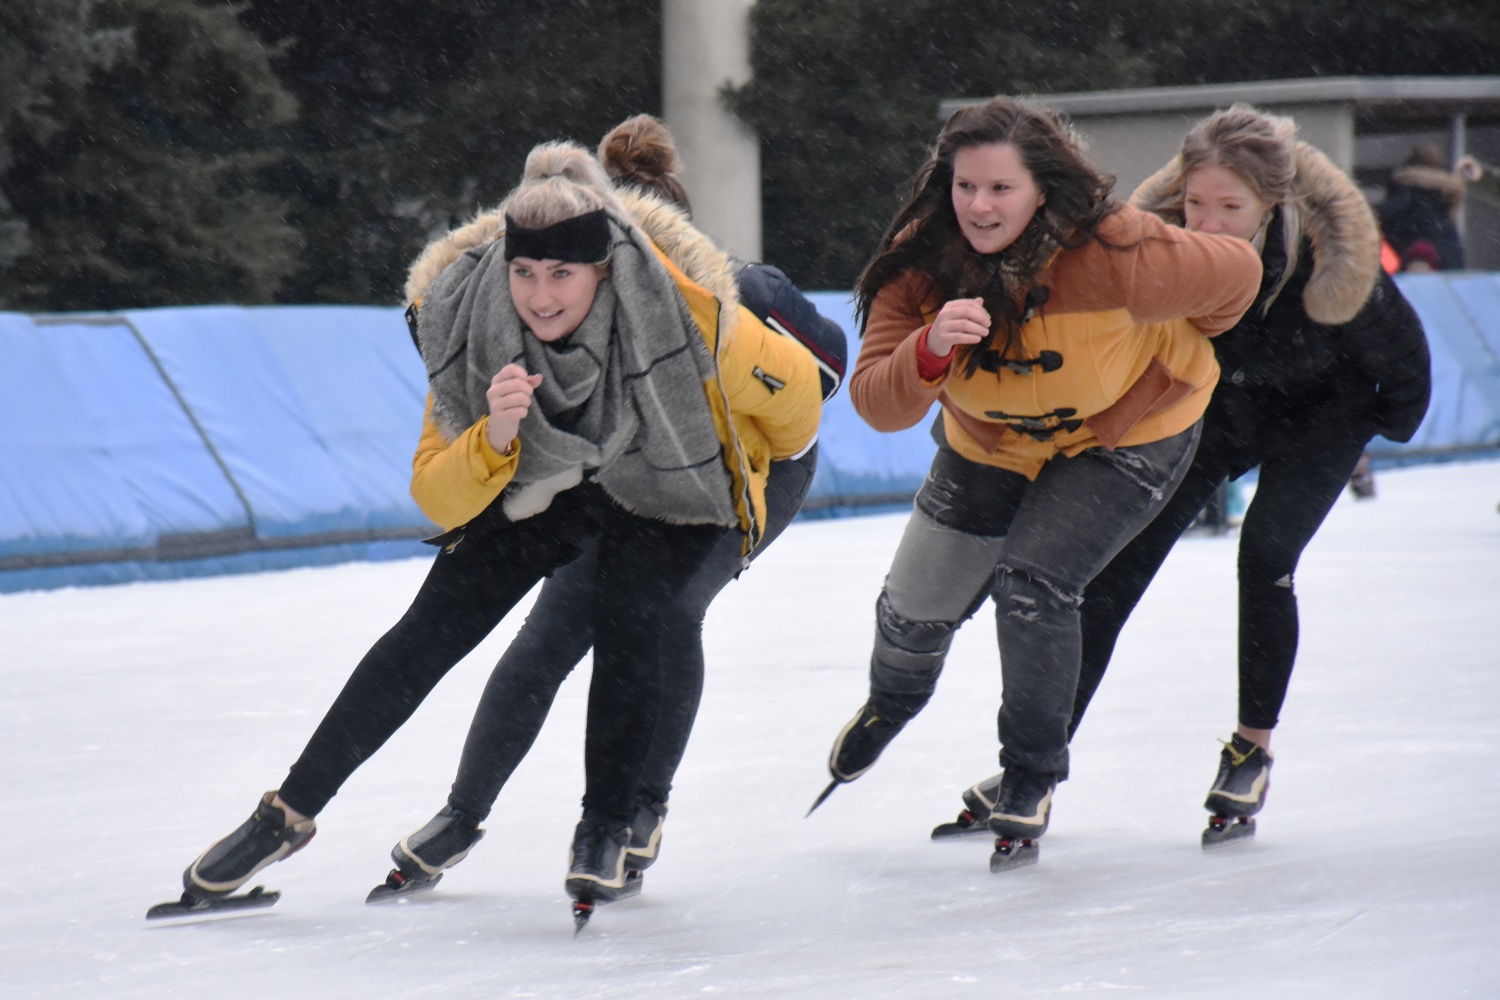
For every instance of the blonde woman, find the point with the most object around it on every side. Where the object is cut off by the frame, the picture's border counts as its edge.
(584, 383)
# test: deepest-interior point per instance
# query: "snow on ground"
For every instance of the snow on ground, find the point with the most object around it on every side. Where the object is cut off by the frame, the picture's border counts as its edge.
(141, 722)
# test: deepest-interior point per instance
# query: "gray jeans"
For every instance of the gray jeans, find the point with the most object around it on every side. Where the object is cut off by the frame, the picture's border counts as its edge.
(1032, 545)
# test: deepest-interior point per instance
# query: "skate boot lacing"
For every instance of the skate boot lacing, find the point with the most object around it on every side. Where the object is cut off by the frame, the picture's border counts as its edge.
(1235, 757)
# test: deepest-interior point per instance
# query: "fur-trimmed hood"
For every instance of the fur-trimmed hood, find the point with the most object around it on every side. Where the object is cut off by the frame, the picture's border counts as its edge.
(666, 225)
(1337, 221)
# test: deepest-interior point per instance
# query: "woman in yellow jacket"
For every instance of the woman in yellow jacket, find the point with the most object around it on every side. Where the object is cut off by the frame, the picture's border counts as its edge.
(1062, 333)
(583, 382)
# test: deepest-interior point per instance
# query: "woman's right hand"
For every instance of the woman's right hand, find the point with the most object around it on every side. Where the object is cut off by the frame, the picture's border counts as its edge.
(509, 396)
(959, 323)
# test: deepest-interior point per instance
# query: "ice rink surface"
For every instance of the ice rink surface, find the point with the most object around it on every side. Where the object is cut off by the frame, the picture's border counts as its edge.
(139, 723)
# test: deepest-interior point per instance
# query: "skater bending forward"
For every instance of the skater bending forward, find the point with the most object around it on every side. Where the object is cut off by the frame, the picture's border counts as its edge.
(584, 384)
(641, 157)
(1063, 335)
(1329, 356)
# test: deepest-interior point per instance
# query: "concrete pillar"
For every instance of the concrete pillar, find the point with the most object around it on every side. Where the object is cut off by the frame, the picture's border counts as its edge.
(705, 47)
(1459, 145)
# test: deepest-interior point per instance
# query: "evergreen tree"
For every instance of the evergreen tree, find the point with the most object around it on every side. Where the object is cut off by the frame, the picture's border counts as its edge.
(415, 115)
(845, 92)
(131, 155)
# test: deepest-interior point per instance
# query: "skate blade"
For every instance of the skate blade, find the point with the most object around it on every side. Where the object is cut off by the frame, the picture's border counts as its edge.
(397, 887)
(581, 913)
(966, 826)
(1224, 830)
(197, 906)
(823, 797)
(589, 891)
(1011, 854)
(589, 895)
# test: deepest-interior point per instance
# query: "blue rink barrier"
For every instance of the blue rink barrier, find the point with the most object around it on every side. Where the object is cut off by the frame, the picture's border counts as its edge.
(192, 441)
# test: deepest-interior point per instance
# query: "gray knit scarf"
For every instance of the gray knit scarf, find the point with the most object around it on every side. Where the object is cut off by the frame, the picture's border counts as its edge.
(621, 396)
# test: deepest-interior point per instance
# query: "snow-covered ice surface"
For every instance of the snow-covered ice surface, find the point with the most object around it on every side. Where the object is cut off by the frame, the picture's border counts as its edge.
(141, 722)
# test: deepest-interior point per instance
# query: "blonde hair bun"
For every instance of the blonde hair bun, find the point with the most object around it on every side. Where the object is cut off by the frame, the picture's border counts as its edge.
(564, 159)
(561, 180)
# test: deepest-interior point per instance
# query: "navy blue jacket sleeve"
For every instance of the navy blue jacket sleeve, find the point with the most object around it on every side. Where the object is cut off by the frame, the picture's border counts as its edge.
(771, 296)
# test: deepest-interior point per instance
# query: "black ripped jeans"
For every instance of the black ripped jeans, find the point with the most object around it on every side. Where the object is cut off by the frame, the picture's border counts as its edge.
(1034, 545)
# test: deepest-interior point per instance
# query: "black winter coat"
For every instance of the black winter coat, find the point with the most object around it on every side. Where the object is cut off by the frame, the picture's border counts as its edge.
(1281, 359)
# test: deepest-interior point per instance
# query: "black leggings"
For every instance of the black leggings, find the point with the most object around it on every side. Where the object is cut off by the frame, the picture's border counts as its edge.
(557, 635)
(1305, 461)
(472, 585)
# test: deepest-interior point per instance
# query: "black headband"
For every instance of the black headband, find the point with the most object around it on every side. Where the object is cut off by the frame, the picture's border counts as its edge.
(583, 239)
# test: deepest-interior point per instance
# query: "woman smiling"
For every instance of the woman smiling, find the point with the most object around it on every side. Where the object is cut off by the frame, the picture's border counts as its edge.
(1063, 336)
(583, 384)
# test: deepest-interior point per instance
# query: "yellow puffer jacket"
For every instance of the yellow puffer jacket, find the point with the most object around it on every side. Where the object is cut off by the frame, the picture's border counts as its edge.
(766, 398)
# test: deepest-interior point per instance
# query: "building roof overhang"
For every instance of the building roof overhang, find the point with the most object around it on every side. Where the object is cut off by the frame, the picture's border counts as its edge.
(1379, 102)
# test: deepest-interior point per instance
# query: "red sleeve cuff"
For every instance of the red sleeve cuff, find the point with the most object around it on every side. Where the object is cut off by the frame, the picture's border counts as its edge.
(929, 366)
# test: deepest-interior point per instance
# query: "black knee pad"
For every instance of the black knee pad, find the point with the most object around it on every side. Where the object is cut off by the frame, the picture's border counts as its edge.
(908, 654)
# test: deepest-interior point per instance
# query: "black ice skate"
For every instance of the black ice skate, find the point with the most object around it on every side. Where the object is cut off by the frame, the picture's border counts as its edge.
(857, 747)
(1020, 815)
(422, 857)
(262, 839)
(645, 835)
(598, 873)
(1238, 793)
(974, 819)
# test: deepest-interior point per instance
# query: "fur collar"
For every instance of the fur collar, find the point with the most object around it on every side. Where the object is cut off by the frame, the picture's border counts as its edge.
(674, 234)
(1337, 222)
(664, 224)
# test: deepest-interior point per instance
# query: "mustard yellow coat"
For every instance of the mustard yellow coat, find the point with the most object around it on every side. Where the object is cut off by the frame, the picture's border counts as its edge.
(1127, 325)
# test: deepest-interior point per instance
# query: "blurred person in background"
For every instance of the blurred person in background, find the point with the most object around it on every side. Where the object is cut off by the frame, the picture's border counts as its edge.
(1419, 215)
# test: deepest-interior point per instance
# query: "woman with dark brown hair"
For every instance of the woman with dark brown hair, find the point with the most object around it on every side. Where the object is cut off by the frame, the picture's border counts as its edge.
(1330, 355)
(1063, 336)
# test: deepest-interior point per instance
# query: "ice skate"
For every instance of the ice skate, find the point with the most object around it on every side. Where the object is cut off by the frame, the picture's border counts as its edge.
(193, 906)
(422, 857)
(598, 873)
(1238, 792)
(645, 835)
(974, 818)
(857, 747)
(1021, 814)
(208, 883)
(262, 839)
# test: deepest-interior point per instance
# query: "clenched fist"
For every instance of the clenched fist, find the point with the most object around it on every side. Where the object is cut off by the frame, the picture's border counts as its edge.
(959, 322)
(509, 397)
